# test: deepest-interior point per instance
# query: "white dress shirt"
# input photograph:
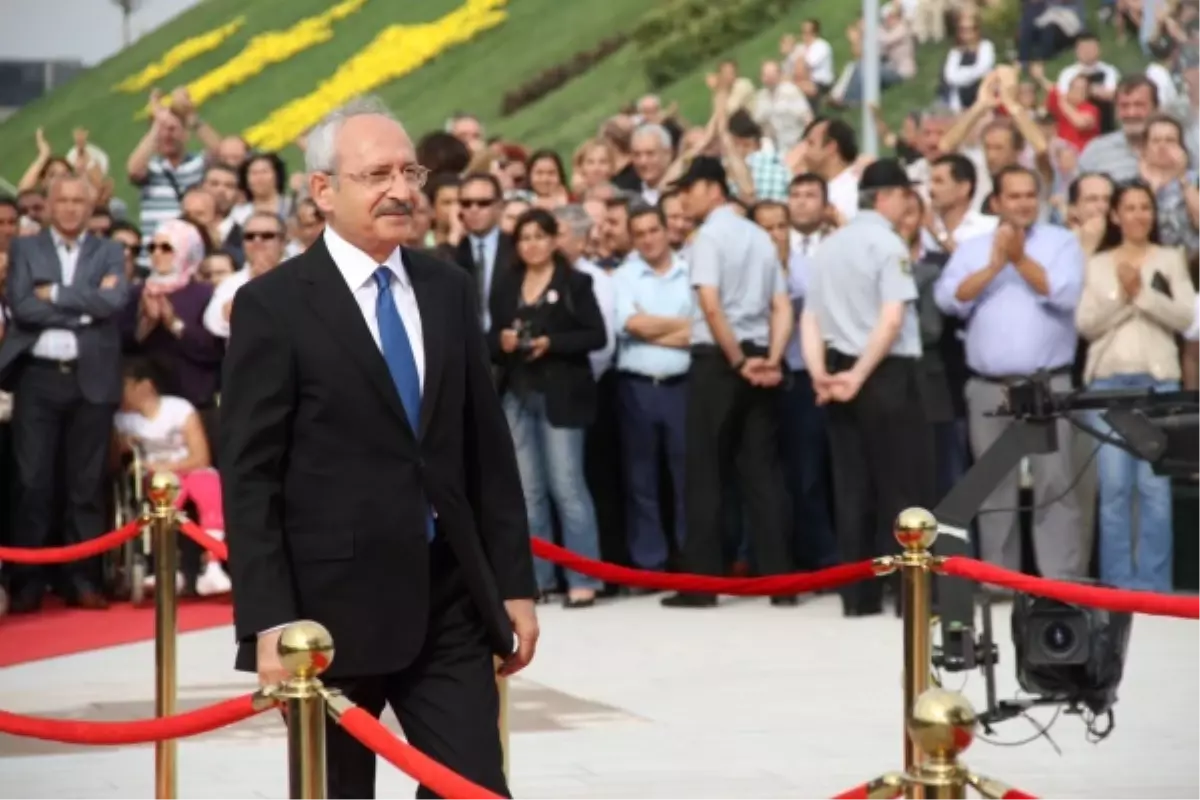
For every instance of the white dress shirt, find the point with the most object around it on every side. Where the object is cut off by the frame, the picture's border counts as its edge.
(843, 193)
(60, 344)
(214, 313)
(606, 298)
(972, 224)
(358, 269)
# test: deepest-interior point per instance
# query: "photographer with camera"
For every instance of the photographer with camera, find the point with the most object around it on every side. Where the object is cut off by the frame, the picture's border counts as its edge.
(545, 321)
(1137, 296)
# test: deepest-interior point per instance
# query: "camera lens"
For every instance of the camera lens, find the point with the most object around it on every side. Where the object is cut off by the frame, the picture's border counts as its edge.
(1058, 638)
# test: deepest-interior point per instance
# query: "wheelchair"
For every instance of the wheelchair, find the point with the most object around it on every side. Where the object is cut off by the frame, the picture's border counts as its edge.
(126, 567)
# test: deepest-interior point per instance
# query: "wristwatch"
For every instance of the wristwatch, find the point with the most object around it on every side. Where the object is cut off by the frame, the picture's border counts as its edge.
(177, 326)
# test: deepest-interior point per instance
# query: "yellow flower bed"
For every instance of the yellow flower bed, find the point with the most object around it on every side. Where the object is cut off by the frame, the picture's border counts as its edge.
(265, 49)
(397, 51)
(178, 55)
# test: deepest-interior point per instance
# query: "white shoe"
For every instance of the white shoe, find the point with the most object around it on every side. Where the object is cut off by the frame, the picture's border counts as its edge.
(213, 580)
(180, 582)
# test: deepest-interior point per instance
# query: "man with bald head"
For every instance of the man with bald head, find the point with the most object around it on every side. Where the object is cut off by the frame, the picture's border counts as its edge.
(369, 477)
(61, 358)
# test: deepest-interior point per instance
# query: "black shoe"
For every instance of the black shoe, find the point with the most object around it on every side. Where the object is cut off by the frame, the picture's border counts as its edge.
(25, 601)
(579, 602)
(862, 610)
(785, 601)
(641, 591)
(689, 600)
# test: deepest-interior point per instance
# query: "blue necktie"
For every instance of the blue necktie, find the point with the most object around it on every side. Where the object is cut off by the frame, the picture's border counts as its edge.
(398, 353)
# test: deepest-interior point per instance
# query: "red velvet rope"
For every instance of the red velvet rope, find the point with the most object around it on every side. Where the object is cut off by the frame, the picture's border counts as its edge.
(860, 792)
(216, 547)
(439, 779)
(1017, 794)
(1160, 605)
(73, 552)
(795, 583)
(140, 731)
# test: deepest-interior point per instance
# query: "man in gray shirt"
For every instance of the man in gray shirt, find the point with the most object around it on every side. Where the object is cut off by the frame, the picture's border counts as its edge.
(862, 343)
(740, 330)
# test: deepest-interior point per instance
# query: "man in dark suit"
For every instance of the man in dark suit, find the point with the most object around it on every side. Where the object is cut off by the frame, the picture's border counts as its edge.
(486, 250)
(368, 472)
(61, 357)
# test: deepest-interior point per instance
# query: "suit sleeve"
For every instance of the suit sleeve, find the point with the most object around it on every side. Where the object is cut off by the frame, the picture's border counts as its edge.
(257, 405)
(27, 309)
(493, 482)
(95, 301)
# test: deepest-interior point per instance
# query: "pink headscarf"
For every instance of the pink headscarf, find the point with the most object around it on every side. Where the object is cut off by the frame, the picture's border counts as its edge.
(188, 251)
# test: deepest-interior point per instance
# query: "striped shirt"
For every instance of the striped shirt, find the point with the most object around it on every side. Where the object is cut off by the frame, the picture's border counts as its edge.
(163, 187)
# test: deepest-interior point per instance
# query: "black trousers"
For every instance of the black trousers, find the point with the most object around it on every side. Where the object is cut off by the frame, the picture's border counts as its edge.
(446, 700)
(51, 416)
(603, 470)
(882, 451)
(730, 422)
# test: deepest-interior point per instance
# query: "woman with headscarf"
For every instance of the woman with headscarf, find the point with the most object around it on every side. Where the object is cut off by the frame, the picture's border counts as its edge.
(163, 319)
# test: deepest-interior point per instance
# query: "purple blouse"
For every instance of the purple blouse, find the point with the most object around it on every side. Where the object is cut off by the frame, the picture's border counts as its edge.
(192, 360)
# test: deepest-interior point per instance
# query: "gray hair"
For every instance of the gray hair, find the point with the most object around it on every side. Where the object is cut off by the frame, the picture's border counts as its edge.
(657, 131)
(320, 154)
(575, 217)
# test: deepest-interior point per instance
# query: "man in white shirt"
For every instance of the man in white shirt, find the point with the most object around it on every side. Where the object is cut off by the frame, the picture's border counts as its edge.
(831, 150)
(1103, 77)
(782, 108)
(263, 235)
(817, 54)
(574, 225)
(951, 189)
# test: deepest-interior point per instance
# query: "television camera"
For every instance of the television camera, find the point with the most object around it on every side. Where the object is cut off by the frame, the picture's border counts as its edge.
(1067, 656)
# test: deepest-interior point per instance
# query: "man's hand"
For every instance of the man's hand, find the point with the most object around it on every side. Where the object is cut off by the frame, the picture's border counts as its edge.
(845, 386)
(523, 616)
(760, 372)
(1016, 245)
(44, 292)
(822, 386)
(270, 668)
(635, 325)
(1001, 244)
(1091, 232)
(109, 282)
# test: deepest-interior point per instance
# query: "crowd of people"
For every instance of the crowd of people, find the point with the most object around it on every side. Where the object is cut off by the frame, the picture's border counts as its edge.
(691, 359)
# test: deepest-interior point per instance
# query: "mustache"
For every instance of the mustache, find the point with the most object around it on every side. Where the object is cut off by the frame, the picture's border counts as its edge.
(392, 207)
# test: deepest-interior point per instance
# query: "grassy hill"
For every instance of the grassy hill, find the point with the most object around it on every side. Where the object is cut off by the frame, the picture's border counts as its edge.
(538, 34)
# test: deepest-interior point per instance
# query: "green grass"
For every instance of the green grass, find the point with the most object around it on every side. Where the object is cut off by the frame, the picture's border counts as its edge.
(473, 77)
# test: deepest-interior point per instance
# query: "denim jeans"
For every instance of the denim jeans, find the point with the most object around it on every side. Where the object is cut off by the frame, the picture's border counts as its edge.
(550, 460)
(1122, 476)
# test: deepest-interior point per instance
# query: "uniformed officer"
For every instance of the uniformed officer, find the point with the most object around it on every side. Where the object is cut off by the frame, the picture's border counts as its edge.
(862, 343)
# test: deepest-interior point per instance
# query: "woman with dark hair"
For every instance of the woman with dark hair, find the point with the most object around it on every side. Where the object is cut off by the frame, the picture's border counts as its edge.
(548, 180)
(545, 321)
(263, 181)
(1136, 297)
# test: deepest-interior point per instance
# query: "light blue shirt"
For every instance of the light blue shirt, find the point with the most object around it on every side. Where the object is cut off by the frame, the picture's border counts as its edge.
(490, 242)
(1010, 328)
(738, 258)
(639, 288)
(797, 282)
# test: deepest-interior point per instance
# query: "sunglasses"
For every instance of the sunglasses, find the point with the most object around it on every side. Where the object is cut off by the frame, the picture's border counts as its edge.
(476, 203)
(159, 247)
(254, 236)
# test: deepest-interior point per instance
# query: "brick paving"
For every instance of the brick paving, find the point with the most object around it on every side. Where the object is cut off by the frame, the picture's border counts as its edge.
(631, 700)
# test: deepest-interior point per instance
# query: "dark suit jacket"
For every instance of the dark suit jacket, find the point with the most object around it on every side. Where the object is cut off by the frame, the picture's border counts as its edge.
(325, 482)
(465, 258)
(83, 307)
(575, 326)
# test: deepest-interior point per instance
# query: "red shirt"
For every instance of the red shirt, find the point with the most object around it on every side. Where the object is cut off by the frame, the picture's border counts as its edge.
(1068, 132)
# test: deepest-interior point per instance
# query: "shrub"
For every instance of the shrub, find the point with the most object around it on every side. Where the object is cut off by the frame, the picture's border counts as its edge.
(681, 34)
(555, 77)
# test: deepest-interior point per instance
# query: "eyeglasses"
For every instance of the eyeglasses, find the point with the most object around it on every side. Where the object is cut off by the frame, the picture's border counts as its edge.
(159, 247)
(471, 203)
(383, 177)
(254, 236)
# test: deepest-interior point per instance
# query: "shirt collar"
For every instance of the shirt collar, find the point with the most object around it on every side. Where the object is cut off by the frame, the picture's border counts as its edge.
(488, 238)
(356, 266)
(677, 265)
(63, 242)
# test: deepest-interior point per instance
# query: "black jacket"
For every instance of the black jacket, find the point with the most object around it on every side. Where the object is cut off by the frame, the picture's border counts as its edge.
(325, 483)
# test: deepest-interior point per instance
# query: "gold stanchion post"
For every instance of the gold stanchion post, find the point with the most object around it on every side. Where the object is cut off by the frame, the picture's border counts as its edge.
(305, 650)
(943, 726)
(164, 490)
(916, 530)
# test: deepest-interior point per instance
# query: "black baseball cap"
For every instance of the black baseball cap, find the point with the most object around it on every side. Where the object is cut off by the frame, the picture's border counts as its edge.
(884, 173)
(702, 168)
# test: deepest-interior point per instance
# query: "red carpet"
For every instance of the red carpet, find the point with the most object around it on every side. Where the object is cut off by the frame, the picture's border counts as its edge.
(59, 631)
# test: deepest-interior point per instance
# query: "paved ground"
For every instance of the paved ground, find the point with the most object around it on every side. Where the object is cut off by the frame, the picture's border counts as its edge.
(631, 700)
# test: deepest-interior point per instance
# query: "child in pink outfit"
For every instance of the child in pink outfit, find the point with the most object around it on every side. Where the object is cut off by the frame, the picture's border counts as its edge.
(167, 432)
